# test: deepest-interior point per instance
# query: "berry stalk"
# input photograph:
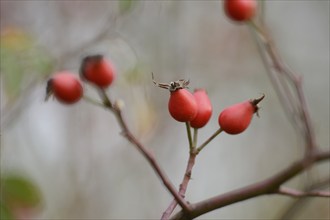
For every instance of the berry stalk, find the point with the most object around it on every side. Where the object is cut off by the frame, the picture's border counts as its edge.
(208, 140)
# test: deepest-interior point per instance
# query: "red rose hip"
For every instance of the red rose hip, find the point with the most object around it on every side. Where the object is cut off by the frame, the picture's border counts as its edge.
(240, 10)
(97, 70)
(204, 109)
(65, 87)
(182, 105)
(236, 118)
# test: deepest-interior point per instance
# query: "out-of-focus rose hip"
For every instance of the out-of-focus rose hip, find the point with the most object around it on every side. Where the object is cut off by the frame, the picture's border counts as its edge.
(240, 10)
(204, 109)
(97, 70)
(65, 87)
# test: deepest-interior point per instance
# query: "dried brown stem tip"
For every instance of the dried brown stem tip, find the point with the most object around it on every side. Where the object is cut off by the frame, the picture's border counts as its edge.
(49, 90)
(172, 86)
(255, 103)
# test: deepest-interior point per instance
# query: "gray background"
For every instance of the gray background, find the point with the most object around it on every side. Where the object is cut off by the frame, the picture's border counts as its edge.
(75, 154)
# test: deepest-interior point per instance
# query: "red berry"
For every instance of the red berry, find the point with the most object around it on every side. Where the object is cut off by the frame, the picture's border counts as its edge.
(182, 105)
(236, 118)
(204, 111)
(66, 87)
(240, 10)
(97, 70)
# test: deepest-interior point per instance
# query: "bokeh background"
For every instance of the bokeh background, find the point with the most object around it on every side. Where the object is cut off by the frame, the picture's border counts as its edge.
(75, 155)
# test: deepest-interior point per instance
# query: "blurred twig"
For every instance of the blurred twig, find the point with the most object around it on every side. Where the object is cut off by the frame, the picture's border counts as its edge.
(99, 36)
(298, 203)
(13, 108)
(298, 193)
(287, 84)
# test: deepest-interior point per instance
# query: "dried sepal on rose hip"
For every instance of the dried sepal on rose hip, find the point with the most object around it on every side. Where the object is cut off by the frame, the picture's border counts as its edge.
(97, 70)
(65, 87)
(204, 110)
(236, 118)
(182, 105)
(240, 10)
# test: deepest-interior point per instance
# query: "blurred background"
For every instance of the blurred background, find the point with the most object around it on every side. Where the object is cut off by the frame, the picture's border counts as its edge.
(72, 160)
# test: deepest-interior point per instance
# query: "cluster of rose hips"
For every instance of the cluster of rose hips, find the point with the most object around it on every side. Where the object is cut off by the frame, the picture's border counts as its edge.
(183, 106)
(68, 89)
(196, 108)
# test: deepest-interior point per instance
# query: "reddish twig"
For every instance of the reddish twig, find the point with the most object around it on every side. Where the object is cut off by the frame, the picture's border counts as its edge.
(183, 186)
(298, 193)
(144, 151)
(267, 186)
(187, 175)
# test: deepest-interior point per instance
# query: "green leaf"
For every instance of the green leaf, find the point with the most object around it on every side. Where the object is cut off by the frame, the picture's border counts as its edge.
(5, 213)
(18, 190)
(22, 61)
